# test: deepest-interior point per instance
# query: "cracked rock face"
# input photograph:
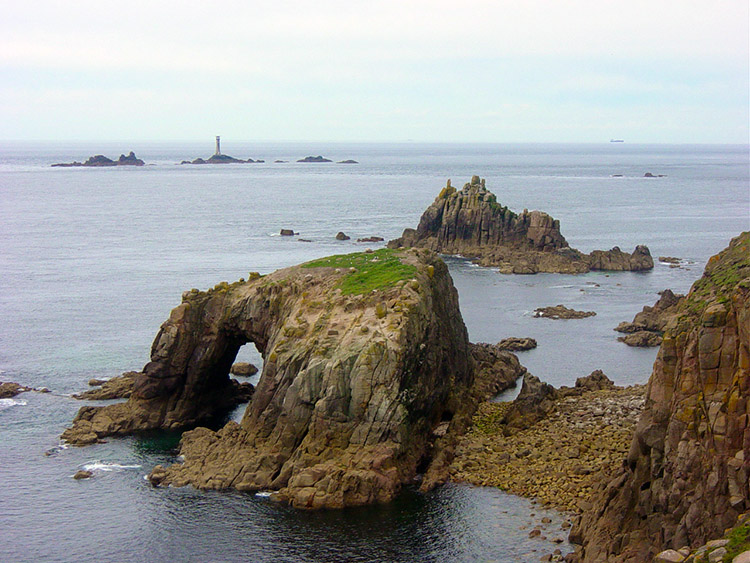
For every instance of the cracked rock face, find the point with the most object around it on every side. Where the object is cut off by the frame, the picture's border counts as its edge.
(685, 479)
(471, 222)
(352, 386)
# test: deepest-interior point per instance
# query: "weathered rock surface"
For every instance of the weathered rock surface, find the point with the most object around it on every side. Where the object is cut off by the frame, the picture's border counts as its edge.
(353, 386)
(342, 236)
(119, 387)
(686, 476)
(514, 344)
(100, 160)
(472, 223)
(562, 312)
(495, 370)
(648, 325)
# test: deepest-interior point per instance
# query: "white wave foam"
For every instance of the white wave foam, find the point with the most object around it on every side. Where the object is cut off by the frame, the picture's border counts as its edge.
(263, 494)
(7, 403)
(98, 465)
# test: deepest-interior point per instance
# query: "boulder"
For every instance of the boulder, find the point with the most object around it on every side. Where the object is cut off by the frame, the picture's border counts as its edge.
(342, 236)
(82, 474)
(365, 358)
(287, 233)
(243, 369)
(685, 479)
(472, 223)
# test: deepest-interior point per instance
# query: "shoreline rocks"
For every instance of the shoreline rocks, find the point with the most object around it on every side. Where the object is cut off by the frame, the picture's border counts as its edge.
(685, 479)
(550, 444)
(119, 387)
(648, 326)
(472, 223)
(10, 389)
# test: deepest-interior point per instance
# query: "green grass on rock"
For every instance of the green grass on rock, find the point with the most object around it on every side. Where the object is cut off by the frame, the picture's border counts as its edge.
(373, 270)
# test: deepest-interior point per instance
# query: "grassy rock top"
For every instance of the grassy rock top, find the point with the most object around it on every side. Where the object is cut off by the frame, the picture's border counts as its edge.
(368, 271)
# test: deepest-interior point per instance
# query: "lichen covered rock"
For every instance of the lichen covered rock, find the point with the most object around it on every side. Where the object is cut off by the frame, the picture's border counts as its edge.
(685, 479)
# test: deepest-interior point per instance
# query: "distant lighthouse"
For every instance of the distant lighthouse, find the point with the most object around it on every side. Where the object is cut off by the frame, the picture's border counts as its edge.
(218, 148)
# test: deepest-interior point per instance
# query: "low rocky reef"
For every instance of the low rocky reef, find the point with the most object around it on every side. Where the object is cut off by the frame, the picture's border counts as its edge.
(685, 478)
(221, 159)
(647, 327)
(471, 223)
(562, 312)
(9, 389)
(100, 160)
(550, 444)
(368, 378)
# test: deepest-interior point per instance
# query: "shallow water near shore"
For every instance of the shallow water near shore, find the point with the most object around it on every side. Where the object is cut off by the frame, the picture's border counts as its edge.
(93, 260)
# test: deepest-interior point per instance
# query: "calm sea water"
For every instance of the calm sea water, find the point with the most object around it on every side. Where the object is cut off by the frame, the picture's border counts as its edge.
(92, 261)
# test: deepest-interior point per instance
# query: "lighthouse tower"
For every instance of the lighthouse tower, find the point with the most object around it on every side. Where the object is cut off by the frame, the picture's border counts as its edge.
(218, 148)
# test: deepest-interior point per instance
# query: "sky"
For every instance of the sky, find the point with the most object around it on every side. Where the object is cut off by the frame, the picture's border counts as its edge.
(651, 71)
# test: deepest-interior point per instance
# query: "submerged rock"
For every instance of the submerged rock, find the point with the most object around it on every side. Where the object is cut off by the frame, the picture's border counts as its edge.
(471, 222)
(360, 369)
(686, 475)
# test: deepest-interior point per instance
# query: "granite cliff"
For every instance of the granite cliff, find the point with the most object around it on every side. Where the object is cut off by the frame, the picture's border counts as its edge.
(472, 223)
(685, 479)
(365, 357)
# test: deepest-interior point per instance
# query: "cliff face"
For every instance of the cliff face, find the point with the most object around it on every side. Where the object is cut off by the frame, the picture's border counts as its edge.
(470, 222)
(686, 476)
(364, 356)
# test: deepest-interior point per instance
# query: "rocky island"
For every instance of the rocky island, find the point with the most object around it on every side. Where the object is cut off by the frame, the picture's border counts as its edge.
(100, 160)
(367, 379)
(471, 223)
(314, 159)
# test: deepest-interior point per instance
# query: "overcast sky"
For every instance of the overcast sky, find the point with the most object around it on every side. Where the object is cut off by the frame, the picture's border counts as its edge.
(439, 71)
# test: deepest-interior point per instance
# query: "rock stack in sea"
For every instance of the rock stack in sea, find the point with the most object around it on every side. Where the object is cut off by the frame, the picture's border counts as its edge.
(367, 378)
(471, 222)
(685, 479)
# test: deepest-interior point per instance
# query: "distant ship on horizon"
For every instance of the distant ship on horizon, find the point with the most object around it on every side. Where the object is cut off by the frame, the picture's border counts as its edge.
(616, 141)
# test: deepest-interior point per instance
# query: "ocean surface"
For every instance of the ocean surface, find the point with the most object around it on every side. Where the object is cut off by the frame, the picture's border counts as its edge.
(92, 260)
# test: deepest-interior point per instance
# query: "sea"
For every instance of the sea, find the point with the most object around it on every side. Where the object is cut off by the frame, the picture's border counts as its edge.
(93, 259)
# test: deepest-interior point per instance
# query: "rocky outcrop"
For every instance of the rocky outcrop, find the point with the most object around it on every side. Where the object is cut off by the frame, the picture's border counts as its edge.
(100, 160)
(314, 159)
(119, 387)
(685, 479)
(471, 222)
(10, 389)
(495, 370)
(342, 236)
(648, 325)
(562, 312)
(514, 344)
(365, 355)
